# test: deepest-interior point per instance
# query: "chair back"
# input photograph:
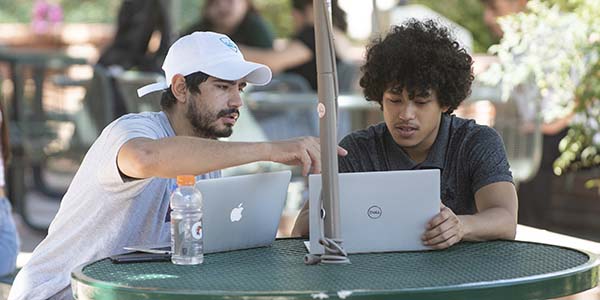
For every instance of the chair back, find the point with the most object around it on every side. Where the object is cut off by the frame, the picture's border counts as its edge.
(348, 73)
(518, 121)
(291, 121)
(129, 82)
(522, 139)
(284, 82)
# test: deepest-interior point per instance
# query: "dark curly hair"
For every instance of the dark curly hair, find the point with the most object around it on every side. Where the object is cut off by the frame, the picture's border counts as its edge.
(417, 56)
(192, 82)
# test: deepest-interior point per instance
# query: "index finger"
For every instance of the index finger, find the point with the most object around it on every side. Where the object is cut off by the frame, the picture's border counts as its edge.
(315, 157)
(306, 162)
(341, 151)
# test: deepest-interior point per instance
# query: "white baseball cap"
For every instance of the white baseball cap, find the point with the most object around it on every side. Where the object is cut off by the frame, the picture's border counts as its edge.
(211, 53)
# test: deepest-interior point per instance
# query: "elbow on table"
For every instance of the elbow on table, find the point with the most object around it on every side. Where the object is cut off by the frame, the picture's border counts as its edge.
(509, 229)
(511, 232)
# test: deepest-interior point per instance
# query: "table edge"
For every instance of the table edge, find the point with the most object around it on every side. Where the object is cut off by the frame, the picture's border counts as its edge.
(589, 268)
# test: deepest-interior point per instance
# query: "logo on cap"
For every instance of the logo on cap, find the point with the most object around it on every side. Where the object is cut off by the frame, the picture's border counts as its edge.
(229, 43)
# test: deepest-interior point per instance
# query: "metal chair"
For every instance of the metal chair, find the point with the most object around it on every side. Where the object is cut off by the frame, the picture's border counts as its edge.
(45, 159)
(127, 84)
(347, 76)
(284, 82)
(291, 121)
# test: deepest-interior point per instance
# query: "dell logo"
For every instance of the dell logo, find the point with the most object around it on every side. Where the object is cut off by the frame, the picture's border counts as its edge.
(374, 212)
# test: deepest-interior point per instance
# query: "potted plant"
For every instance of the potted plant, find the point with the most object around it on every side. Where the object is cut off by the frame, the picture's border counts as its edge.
(556, 44)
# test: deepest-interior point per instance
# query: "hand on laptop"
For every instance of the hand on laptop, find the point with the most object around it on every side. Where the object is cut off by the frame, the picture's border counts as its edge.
(444, 230)
(304, 151)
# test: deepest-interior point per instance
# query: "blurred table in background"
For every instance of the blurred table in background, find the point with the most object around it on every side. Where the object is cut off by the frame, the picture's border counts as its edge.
(28, 119)
(38, 62)
(517, 119)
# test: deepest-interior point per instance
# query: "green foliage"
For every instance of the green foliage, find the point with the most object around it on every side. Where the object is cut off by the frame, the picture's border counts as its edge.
(278, 14)
(580, 149)
(15, 11)
(557, 44)
(467, 13)
(188, 13)
(90, 11)
(84, 11)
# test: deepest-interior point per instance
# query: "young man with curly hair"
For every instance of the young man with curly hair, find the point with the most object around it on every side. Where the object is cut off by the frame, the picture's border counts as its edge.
(419, 74)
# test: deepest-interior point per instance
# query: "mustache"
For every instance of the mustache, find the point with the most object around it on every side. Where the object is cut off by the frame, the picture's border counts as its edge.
(227, 112)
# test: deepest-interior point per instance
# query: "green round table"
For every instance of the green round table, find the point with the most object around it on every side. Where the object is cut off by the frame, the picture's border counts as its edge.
(487, 270)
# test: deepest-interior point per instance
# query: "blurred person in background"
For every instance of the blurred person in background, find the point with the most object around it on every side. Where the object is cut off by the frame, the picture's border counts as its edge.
(141, 41)
(298, 56)
(238, 19)
(535, 193)
(9, 240)
(138, 22)
(494, 9)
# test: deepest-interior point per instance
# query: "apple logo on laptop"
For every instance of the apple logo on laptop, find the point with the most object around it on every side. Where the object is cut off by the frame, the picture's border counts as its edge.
(236, 213)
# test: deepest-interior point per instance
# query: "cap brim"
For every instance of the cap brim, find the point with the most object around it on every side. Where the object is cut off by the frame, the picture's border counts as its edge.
(254, 73)
(150, 88)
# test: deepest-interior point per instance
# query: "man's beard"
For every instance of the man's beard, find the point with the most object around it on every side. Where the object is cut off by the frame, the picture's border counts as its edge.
(204, 123)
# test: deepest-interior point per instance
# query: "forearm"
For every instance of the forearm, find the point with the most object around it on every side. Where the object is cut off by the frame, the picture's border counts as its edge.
(346, 50)
(182, 155)
(557, 125)
(490, 224)
(293, 54)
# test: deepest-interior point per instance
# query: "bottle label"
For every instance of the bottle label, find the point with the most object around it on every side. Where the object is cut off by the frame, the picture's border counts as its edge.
(197, 230)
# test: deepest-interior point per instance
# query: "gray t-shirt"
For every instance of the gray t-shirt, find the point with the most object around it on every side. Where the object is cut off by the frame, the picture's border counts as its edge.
(101, 212)
(469, 157)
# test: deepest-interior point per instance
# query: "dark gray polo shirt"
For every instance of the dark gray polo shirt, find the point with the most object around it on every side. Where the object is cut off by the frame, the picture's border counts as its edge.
(469, 157)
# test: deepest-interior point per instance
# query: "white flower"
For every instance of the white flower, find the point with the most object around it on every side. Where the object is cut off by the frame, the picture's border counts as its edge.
(548, 47)
(596, 139)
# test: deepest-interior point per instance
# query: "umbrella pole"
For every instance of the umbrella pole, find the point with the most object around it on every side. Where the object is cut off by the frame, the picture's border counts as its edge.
(327, 108)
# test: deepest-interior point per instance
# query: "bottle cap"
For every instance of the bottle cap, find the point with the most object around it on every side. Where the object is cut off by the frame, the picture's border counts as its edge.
(186, 180)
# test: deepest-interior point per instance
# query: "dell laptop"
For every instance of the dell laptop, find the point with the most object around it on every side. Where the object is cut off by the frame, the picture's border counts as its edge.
(379, 211)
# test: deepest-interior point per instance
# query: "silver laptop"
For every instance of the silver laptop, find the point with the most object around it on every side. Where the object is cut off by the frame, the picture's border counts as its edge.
(242, 212)
(379, 211)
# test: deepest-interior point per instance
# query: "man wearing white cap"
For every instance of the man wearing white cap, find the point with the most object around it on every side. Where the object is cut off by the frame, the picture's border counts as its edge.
(120, 194)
